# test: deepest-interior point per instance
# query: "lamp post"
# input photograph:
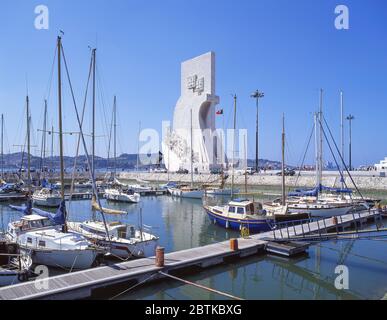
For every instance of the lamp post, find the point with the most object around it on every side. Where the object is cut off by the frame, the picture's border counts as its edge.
(350, 118)
(256, 95)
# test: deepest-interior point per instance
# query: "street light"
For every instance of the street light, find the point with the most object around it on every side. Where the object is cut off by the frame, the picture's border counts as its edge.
(256, 95)
(350, 118)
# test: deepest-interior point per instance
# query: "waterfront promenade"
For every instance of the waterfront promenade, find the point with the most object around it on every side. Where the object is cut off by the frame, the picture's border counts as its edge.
(365, 180)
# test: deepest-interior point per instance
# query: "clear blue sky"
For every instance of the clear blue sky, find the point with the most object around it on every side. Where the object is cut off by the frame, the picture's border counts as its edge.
(288, 49)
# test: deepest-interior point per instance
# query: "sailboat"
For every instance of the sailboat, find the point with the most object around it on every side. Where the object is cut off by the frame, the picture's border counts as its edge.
(46, 196)
(188, 191)
(46, 235)
(240, 213)
(312, 201)
(124, 241)
(119, 193)
(254, 216)
(8, 190)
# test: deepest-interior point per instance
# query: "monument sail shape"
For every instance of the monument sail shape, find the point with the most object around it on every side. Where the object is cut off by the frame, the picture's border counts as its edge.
(198, 95)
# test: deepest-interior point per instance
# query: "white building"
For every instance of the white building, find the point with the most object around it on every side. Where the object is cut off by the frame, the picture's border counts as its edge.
(199, 99)
(382, 165)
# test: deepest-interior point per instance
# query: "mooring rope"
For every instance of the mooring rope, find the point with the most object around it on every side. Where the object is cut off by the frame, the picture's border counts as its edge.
(200, 286)
(132, 287)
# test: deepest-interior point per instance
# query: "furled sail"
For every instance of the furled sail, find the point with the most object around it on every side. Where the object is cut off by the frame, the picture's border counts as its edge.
(95, 206)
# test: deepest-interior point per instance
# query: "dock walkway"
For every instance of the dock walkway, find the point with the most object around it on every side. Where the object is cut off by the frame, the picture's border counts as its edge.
(80, 284)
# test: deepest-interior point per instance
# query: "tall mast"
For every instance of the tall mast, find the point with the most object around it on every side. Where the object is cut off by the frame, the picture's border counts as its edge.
(93, 117)
(28, 143)
(283, 160)
(115, 134)
(191, 158)
(342, 132)
(245, 160)
(169, 148)
(316, 141)
(60, 119)
(43, 152)
(342, 122)
(233, 148)
(138, 145)
(52, 148)
(320, 120)
(2, 146)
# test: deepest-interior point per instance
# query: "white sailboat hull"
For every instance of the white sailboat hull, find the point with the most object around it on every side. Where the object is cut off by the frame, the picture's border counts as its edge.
(122, 197)
(135, 246)
(69, 259)
(192, 194)
(143, 249)
(321, 211)
(52, 202)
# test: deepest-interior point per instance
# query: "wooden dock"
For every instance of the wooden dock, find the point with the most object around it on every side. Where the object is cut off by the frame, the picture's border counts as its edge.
(81, 284)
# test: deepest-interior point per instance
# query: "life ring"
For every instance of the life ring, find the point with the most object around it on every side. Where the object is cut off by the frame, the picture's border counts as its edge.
(245, 232)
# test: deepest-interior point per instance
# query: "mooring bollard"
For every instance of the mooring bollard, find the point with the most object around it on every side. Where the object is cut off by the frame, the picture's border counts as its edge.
(234, 244)
(160, 257)
(334, 220)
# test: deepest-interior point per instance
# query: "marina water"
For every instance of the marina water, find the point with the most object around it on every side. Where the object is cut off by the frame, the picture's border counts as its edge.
(183, 223)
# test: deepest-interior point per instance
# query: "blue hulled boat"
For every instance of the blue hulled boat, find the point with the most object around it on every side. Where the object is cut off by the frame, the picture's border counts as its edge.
(241, 213)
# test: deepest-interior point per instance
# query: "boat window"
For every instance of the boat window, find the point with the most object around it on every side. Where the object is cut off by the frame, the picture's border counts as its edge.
(121, 232)
(46, 223)
(29, 240)
(231, 209)
(241, 210)
(35, 224)
(42, 243)
(132, 232)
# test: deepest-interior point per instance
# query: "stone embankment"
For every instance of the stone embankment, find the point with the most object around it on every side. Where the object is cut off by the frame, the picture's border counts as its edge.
(363, 180)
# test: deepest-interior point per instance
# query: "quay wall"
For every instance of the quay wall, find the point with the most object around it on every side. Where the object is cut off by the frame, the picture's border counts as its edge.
(363, 181)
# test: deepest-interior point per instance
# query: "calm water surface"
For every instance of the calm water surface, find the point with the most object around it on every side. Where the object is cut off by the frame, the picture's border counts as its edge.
(182, 224)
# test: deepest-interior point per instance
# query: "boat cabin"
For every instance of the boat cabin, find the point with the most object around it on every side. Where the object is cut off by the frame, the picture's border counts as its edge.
(115, 229)
(28, 223)
(245, 207)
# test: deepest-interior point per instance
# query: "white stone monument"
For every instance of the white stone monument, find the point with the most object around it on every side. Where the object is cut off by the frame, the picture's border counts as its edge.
(197, 96)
